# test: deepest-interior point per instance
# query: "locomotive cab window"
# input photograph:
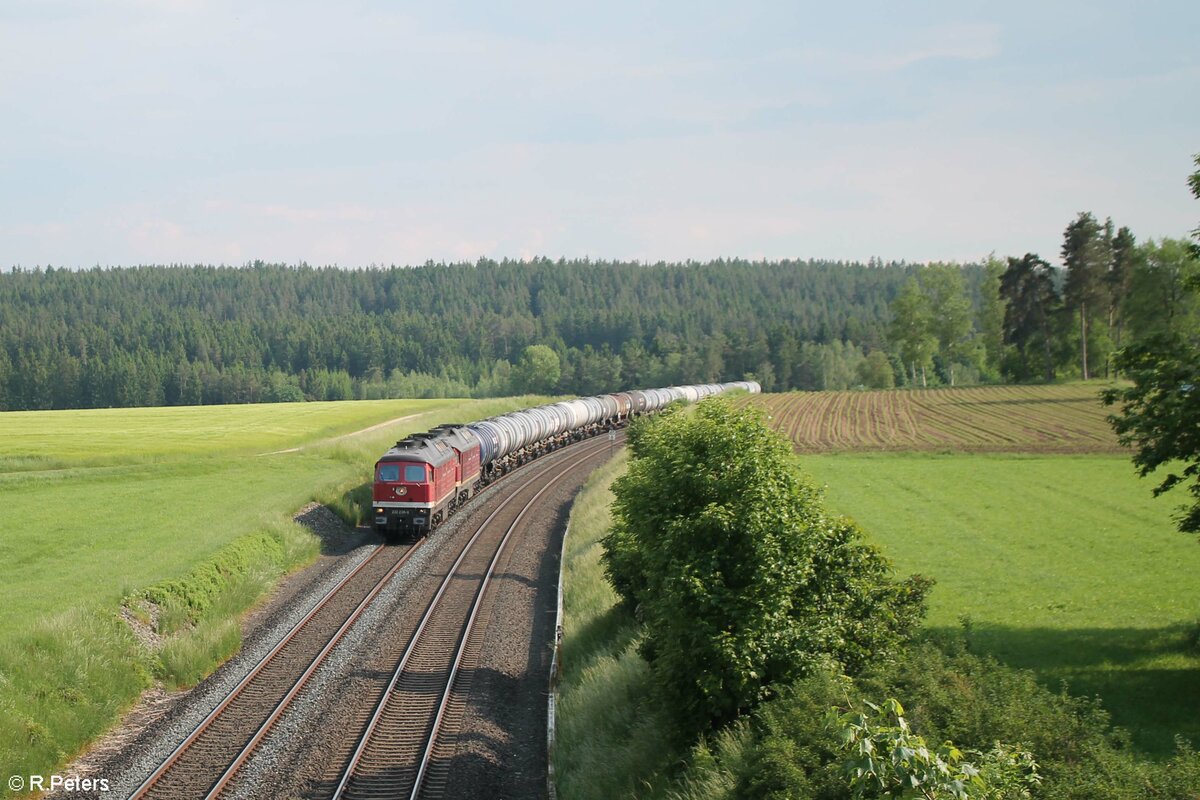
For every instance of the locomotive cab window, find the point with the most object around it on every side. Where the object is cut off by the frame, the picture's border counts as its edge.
(389, 472)
(414, 473)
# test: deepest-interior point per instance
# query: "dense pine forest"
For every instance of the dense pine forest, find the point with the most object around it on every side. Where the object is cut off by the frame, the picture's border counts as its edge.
(198, 334)
(181, 335)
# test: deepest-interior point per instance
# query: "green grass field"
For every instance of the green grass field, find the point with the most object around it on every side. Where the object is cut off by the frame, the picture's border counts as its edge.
(1061, 564)
(173, 485)
(88, 437)
(102, 505)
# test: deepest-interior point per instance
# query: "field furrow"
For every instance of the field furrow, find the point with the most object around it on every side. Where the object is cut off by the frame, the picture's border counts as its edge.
(1035, 419)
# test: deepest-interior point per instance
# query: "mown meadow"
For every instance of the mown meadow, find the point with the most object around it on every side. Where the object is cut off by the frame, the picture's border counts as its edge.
(182, 516)
(1045, 544)
(1064, 565)
(1061, 418)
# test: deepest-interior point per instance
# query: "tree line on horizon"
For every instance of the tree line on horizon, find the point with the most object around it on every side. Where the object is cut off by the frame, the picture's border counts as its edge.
(187, 335)
(190, 335)
(1036, 322)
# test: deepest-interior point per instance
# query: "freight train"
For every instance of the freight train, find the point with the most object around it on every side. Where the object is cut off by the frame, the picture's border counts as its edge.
(425, 478)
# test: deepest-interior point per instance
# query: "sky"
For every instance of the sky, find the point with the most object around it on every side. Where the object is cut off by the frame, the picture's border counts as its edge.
(378, 133)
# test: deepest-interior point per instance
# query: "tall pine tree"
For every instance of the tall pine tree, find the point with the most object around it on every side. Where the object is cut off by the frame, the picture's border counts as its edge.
(1119, 281)
(1085, 256)
(1031, 302)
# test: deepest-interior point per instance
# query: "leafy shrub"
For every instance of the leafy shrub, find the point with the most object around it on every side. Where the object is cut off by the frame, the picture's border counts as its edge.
(887, 758)
(950, 694)
(741, 577)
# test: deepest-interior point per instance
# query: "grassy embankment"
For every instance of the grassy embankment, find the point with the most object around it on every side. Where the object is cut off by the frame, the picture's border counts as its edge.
(609, 736)
(187, 507)
(1062, 564)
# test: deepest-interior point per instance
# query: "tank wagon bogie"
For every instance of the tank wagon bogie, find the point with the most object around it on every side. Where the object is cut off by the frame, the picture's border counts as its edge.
(425, 478)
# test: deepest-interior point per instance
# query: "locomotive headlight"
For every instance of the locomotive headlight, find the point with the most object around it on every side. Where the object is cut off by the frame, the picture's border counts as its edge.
(401, 490)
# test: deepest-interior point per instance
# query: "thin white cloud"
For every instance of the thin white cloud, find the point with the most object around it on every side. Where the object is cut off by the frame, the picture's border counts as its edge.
(218, 131)
(955, 42)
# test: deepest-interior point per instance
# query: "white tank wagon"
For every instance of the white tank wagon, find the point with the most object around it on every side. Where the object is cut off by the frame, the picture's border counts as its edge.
(414, 491)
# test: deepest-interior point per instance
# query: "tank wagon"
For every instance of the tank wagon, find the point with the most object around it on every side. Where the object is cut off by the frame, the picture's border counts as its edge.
(428, 476)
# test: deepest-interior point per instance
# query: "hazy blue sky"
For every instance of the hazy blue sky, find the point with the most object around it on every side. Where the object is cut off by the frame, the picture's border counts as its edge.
(370, 132)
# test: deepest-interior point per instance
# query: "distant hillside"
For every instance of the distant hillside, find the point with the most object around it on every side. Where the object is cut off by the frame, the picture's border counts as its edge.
(191, 335)
(1019, 419)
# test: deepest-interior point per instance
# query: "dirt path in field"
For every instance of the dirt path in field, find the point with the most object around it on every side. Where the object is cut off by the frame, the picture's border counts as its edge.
(347, 435)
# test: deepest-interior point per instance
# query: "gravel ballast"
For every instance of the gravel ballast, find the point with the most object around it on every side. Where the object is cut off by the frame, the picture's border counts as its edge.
(499, 748)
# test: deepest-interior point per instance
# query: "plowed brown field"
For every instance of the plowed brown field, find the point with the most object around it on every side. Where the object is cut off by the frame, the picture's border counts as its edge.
(988, 419)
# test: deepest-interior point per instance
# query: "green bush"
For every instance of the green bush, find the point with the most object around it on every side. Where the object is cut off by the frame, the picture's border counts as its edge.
(887, 758)
(742, 579)
(950, 694)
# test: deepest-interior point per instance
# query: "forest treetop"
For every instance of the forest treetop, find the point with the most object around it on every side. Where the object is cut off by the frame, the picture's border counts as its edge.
(185, 335)
(200, 334)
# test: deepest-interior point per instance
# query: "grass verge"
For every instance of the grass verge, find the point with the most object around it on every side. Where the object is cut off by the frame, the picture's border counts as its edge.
(66, 679)
(199, 613)
(609, 738)
(610, 730)
(63, 682)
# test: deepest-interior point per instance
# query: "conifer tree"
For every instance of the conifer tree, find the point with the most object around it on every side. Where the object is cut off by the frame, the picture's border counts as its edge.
(1084, 254)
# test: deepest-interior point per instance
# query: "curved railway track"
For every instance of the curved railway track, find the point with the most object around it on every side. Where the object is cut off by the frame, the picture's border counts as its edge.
(395, 754)
(224, 739)
(206, 761)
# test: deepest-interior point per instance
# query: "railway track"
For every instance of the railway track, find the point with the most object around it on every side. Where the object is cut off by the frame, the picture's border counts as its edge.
(206, 761)
(215, 749)
(396, 755)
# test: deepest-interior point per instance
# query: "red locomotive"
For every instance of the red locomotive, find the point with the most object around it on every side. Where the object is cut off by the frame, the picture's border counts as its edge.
(417, 482)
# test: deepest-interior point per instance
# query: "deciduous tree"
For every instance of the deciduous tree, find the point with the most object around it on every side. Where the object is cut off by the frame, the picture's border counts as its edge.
(537, 371)
(911, 329)
(1160, 300)
(1159, 413)
(875, 371)
(950, 314)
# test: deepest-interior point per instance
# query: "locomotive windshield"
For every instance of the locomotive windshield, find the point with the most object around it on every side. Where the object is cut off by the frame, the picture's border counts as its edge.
(389, 472)
(414, 473)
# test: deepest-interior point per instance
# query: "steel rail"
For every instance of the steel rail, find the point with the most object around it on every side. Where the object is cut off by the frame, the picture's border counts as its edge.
(148, 785)
(434, 605)
(303, 680)
(236, 691)
(283, 704)
(467, 630)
